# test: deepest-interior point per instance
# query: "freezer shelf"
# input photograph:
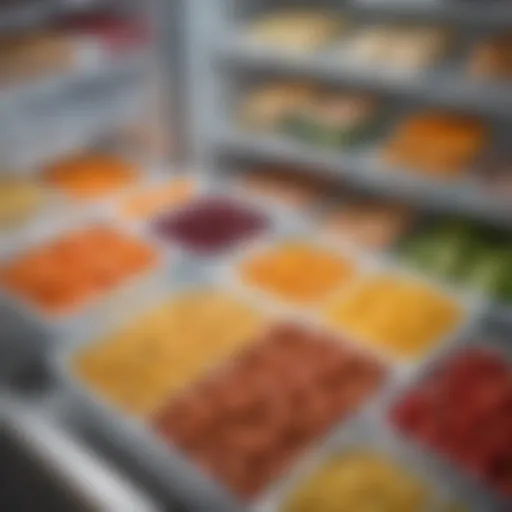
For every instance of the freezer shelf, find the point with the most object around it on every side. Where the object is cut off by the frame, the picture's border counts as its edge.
(364, 169)
(436, 85)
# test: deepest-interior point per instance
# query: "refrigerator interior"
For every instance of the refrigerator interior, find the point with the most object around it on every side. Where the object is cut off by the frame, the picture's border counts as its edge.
(191, 231)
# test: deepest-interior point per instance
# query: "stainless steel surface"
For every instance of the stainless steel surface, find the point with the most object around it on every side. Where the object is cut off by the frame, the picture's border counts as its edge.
(90, 480)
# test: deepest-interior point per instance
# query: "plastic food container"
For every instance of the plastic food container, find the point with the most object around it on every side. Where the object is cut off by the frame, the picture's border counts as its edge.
(39, 279)
(456, 408)
(458, 140)
(248, 421)
(137, 366)
(294, 32)
(91, 176)
(297, 271)
(280, 344)
(129, 433)
(401, 315)
(399, 466)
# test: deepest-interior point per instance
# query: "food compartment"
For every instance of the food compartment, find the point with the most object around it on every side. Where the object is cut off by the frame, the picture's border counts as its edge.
(463, 252)
(91, 176)
(136, 366)
(211, 225)
(398, 315)
(438, 143)
(368, 467)
(360, 480)
(58, 277)
(397, 47)
(316, 114)
(297, 272)
(247, 422)
(461, 410)
(295, 32)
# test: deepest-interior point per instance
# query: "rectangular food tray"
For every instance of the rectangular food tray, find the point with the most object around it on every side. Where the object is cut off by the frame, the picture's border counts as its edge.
(483, 497)
(367, 265)
(171, 469)
(126, 296)
(366, 434)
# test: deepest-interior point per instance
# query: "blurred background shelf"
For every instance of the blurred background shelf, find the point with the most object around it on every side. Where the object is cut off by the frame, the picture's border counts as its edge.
(443, 86)
(495, 13)
(46, 89)
(16, 15)
(362, 168)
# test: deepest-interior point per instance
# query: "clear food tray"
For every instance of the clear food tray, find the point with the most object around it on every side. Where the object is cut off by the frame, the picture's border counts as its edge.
(170, 468)
(165, 462)
(365, 435)
(126, 296)
(475, 338)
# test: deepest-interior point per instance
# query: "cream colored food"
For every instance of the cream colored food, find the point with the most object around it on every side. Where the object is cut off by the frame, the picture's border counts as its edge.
(296, 31)
(399, 46)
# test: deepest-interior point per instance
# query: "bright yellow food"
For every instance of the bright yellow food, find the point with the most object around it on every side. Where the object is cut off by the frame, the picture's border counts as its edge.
(399, 315)
(146, 203)
(298, 272)
(166, 349)
(360, 482)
